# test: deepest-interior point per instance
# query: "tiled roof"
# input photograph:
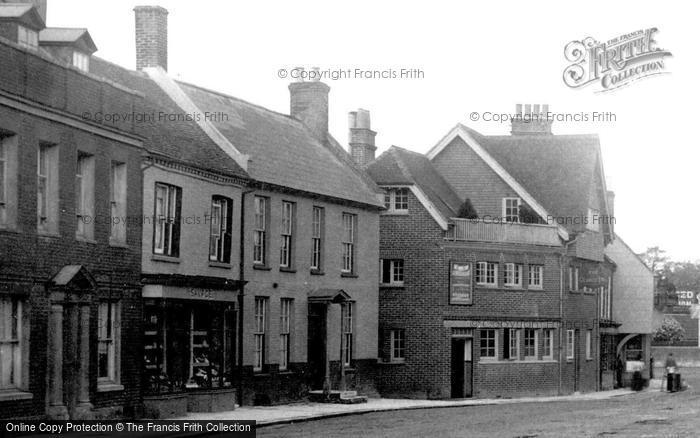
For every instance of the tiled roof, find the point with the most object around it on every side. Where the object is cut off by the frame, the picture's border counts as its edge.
(14, 10)
(282, 150)
(558, 170)
(398, 166)
(61, 34)
(180, 140)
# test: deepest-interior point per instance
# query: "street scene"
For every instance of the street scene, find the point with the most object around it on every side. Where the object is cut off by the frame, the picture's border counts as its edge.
(217, 219)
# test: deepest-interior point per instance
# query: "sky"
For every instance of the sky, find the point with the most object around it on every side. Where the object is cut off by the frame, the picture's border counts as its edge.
(481, 57)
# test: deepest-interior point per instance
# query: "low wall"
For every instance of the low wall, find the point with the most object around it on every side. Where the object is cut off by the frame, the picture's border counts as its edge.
(685, 356)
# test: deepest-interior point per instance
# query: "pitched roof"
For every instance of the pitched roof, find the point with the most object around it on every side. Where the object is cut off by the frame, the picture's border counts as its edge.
(68, 35)
(282, 150)
(558, 170)
(24, 11)
(398, 166)
(166, 130)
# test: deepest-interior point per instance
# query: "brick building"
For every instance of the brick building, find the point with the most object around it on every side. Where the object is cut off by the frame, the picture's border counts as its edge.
(70, 305)
(503, 295)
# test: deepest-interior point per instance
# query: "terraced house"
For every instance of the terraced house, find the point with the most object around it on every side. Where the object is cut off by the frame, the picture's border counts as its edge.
(259, 269)
(70, 304)
(493, 277)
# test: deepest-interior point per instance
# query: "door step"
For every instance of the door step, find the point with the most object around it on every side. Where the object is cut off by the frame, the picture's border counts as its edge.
(336, 396)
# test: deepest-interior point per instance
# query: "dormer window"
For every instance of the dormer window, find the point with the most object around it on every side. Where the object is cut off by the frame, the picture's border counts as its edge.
(27, 37)
(81, 60)
(396, 200)
(593, 220)
(511, 209)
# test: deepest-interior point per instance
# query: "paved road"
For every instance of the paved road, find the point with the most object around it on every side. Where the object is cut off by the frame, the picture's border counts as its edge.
(648, 414)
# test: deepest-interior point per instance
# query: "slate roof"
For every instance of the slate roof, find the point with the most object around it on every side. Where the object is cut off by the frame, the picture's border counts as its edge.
(398, 166)
(282, 150)
(180, 140)
(68, 35)
(24, 11)
(558, 170)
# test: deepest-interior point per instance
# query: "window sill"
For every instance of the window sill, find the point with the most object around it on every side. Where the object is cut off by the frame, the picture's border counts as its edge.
(348, 275)
(163, 258)
(109, 387)
(288, 270)
(49, 234)
(487, 286)
(391, 362)
(536, 289)
(15, 394)
(261, 267)
(395, 213)
(221, 265)
(391, 286)
(286, 373)
(317, 272)
(116, 244)
(85, 240)
(505, 361)
(8, 229)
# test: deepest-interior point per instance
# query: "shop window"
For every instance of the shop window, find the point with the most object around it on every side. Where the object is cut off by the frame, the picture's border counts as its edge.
(11, 375)
(220, 229)
(166, 236)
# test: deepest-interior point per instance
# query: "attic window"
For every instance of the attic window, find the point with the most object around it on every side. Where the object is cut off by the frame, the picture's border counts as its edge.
(27, 37)
(511, 209)
(396, 200)
(81, 61)
(593, 220)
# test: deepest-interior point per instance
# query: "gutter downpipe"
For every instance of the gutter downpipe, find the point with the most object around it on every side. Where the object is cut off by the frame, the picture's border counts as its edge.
(561, 308)
(241, 277)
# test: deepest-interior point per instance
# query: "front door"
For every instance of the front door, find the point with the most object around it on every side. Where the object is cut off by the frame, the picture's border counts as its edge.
(468, 369)
(317, 344)
(71, 357)
(462, 367)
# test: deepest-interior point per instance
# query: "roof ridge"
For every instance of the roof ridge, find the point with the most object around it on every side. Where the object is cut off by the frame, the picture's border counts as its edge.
(229, 96)
(401, 165)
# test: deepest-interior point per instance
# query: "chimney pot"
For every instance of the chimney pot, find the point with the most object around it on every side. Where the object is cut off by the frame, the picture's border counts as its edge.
(518, 108)
(528, 109)
(536, 109)
(533, 120)
(151, 37)
(361, 137)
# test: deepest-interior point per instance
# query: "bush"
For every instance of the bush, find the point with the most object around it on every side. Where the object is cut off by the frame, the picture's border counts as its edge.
(467, 210)
(670, 331)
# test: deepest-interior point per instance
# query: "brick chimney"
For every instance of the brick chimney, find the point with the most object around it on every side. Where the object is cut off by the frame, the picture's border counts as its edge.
(531, 120)
(309, 103)
(151, 37)
(361, 137)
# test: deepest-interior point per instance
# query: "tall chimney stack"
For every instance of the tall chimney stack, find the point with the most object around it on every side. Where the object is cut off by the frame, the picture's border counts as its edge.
(151, 37)
(309, 103)
(361, 137)
(531, 120)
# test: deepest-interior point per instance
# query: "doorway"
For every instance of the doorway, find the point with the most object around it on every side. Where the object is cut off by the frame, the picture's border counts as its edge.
(462, 369)
(317, 344)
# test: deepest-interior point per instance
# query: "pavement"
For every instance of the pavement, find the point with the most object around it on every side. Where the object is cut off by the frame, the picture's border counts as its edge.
(297, 412)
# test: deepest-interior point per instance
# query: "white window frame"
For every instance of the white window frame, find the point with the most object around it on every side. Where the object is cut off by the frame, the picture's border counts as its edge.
(593, 219)
(260, 318)
(396, 272)
(397, 342)
(349, 224)
(511, 213)
(43, 169)
(260, 230)
(220, 209)
(513, 343)
(535, 276)
(109, 335)
(117, 202)
(570, 344)
(512, 275)
(81, 60)
(85, 195)
(494, 350)
(166, 219)
(396, 200)
(287, 234)
(27, 37)
(12, 372)
(535, 346)
(589, 344)
(482, 275)
(548, 344)
(285, 332)
(317, 223)
(347, 311)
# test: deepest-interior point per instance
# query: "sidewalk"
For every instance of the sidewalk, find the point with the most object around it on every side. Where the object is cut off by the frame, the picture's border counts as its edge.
(269, 415)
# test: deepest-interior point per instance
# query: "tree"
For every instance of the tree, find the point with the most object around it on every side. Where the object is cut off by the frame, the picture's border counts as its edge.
(528, 216)
(655, 259)
(670, 331)
(467, 210)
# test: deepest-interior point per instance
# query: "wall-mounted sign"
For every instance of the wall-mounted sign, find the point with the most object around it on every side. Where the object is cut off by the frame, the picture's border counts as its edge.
(461, 283)
(686, 297)
(592, 277)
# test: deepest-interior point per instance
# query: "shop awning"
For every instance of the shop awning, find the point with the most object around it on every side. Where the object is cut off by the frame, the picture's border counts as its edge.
(328, 296)
(195, 281)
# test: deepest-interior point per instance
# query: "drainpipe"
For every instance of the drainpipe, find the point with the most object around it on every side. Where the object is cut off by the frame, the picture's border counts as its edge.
(562, 333)
(241, 277)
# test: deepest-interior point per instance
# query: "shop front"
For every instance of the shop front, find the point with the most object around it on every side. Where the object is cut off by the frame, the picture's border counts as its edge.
(189, 341)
